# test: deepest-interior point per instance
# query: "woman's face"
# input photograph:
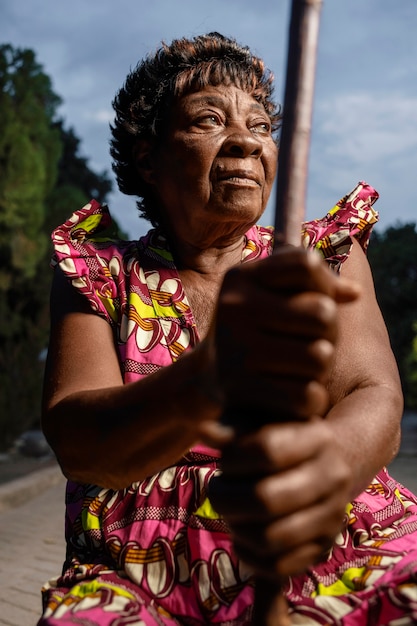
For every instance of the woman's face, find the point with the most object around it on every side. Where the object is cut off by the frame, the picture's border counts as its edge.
(213, 174)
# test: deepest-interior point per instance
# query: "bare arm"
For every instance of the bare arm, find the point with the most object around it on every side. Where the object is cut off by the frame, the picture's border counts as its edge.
(112, 434)
(101, 430)
(365, 389)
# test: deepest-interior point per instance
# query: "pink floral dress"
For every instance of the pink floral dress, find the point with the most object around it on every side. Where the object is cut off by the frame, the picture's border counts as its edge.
(157, 553)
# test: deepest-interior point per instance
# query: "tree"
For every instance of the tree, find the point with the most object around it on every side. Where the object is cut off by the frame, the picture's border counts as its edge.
(393, 258)
(43, 180)
(76, 183)
(30, 148)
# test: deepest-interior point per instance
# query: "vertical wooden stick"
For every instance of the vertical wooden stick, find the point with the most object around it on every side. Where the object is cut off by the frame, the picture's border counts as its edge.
(270, 605)
(298, 114)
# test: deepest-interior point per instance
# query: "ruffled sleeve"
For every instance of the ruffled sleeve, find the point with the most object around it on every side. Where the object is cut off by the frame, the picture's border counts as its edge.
(352, 216)
(92, 259)
(98, 264)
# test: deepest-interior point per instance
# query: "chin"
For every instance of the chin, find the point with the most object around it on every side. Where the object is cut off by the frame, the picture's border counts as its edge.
(244, 214)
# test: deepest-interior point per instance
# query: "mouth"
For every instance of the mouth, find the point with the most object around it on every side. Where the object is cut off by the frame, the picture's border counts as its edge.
(239, 177)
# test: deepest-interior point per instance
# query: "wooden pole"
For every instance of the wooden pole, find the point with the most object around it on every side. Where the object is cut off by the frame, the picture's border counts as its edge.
(297, 120)
(270, 605)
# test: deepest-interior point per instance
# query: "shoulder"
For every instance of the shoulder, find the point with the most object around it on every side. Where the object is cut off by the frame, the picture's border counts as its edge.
(352, 218)
(88, 231)
(93, 260)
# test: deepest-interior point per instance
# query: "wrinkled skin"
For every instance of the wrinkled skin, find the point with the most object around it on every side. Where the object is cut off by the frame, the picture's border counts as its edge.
(282, 514)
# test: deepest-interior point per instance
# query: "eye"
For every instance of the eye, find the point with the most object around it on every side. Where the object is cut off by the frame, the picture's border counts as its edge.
(261, 127)
(208, 119)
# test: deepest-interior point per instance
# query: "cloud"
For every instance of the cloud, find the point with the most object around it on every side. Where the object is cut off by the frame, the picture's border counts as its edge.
(365, 124)
(102, 116)
(361, 127)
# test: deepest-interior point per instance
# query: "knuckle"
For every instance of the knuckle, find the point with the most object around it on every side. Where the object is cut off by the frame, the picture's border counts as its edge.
(265, 494)
(268, 443)
(325, 311)
(312, 261)
(312, 398)
(326, 435)
(320, 353)
(342, 477)
(310, 264)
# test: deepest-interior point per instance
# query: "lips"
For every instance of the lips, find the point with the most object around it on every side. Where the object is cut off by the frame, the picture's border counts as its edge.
(239, 177)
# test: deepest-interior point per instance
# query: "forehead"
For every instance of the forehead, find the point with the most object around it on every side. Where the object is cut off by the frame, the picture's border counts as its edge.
(222, 96)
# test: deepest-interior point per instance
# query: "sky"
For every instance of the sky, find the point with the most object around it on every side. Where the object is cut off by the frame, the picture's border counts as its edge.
(365, 105)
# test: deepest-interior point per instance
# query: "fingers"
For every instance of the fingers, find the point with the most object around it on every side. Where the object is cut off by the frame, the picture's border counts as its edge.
(215, 434)
(282, 514)
(284, 560)
(255, 501)
(275, 333)
(274, 337)
(275, 448)
(305, 314)
(259, 400)
(296, 269)
(290, 544)
(277, 470)
(299, 358)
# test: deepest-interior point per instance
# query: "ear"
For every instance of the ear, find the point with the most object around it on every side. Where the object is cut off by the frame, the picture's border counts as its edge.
(142, 154)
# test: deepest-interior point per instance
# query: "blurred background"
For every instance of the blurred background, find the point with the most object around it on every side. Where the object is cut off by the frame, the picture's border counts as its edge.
(60, 66)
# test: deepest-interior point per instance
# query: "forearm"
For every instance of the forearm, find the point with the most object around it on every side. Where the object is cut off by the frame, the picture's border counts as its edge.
(364, 384)
(367, 424)
(117, 435)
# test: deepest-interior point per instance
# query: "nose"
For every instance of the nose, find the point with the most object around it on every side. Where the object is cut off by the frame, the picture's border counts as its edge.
(242, 143)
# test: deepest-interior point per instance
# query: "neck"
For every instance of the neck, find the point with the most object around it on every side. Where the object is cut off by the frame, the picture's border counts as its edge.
(207, 261)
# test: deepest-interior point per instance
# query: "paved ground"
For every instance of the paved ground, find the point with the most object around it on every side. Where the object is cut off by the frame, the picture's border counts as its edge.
(31, 531)
(31, 551)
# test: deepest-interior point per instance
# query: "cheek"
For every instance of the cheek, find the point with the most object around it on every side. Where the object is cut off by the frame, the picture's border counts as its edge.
(191, 164)
(271, 165)
(183, 179)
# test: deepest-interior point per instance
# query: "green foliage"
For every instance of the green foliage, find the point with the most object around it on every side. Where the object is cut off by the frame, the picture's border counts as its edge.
(393, 258)
(76, 183)
(30, 148)
(43, 180)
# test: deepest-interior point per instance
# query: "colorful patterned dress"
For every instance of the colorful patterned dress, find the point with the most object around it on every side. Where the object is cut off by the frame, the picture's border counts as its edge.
(157, 553)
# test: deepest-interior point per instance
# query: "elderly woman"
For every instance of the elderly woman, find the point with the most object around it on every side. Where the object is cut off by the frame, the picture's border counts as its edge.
(196, 346)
